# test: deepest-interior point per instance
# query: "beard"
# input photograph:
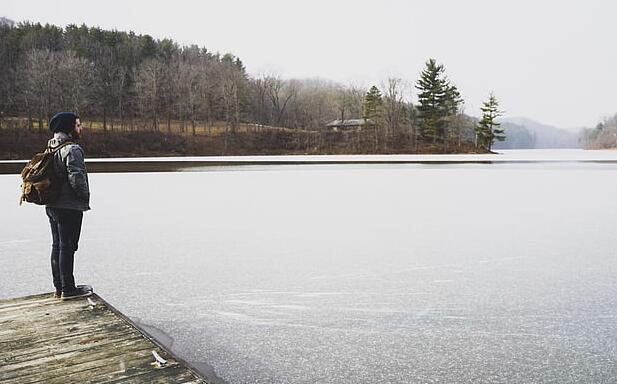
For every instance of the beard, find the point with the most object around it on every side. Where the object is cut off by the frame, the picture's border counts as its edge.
(74, 135)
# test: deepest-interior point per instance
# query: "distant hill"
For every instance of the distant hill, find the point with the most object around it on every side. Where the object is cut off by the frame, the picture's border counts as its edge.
(526, 133)
(517, 137)
(6, 22)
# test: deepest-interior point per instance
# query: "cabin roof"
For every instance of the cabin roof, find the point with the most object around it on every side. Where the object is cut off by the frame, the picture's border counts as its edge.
(349, 122)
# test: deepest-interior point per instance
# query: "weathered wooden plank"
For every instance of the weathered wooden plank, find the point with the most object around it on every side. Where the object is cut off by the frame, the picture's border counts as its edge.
(45, 340)
(40, 310)
(61, 358)
(42, 313)
(84, 367)
(29, 344)
(50, 301)
(108, 367)
(73, 344)
(116, 369)
(32, 302)
(56, 323)
(21, 340)
(167, 376)
(60, 330)
(45, 297)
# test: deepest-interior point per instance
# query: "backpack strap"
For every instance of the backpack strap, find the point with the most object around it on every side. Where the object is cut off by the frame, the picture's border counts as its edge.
(54, 150)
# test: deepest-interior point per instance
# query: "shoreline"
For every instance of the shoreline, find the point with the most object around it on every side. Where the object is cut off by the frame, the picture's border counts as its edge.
(553, 157)
(167, 341)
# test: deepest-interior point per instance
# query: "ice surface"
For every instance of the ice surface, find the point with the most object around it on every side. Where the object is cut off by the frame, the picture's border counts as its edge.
(347, 274)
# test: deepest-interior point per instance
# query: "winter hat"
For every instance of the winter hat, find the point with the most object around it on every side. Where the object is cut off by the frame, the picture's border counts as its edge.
(63, 122)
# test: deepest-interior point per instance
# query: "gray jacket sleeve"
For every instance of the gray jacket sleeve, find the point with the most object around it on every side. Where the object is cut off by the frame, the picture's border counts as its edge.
(77, 174)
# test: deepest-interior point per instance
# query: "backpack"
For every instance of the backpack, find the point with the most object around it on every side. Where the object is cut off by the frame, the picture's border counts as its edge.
(40, 184)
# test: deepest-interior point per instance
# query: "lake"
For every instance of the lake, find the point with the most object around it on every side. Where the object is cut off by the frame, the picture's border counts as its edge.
(429, 272)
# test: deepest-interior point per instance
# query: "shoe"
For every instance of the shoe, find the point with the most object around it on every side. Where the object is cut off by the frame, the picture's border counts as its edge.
(75, 293)
(86, 287)
(57, 294)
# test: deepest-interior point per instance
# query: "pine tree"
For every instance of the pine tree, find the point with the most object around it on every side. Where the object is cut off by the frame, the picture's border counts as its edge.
(438, 100)
(372, 110)
(488, 130)
(452, 104)
(430, 96)
(373, 103)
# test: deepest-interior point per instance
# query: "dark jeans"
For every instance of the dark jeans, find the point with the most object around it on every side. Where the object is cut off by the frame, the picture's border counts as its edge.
(65, 231)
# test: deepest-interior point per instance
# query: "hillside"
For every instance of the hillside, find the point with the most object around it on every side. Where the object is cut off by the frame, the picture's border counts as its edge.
(136, 83)
(525, 133)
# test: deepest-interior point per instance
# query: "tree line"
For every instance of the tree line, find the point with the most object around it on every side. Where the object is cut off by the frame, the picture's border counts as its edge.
(603, 135)
(133, 82)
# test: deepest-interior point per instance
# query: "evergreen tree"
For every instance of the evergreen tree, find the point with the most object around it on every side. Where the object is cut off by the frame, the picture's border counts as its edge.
(431, 93)
(452, 104)
(373, 103)
(438, 100)
(452, 100)
(488, 130)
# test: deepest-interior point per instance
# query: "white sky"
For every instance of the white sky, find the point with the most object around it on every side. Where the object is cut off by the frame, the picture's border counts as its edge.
(551, 60)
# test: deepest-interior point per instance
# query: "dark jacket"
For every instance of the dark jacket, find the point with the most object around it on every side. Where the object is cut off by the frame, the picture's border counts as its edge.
(70, 167)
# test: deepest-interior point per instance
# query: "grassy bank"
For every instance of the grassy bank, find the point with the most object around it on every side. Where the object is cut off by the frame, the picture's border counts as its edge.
(179, 139)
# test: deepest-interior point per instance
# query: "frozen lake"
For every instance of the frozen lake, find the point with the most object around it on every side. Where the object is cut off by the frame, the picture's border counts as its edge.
(383, 273)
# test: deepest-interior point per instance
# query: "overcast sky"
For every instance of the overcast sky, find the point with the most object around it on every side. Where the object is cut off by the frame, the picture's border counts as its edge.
(553, 61)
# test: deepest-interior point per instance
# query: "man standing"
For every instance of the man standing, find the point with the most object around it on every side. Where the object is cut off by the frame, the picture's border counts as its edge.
(66, 210)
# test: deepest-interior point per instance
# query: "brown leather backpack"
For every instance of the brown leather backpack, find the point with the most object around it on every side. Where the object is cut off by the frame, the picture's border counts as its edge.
(39, 181)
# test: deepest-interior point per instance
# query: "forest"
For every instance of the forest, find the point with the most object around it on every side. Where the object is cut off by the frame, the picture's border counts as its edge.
(145, 96)
(603, 136)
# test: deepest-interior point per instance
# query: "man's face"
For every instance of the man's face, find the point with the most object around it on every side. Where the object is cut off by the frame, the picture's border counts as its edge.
(78, 128)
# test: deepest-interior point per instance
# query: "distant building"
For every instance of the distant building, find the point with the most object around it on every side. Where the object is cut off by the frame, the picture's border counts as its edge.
(349, 124)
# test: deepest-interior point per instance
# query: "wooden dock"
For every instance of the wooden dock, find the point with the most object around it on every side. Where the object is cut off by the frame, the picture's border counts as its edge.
(46, 340)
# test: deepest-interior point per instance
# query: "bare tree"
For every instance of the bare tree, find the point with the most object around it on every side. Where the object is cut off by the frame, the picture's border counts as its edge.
(230, 89)
(74, 79)
(260, 100)
(38, 77)
(148, 87)
(393, 106)
(209, 90)
(189, 82)
(280, 93)
(108, 82)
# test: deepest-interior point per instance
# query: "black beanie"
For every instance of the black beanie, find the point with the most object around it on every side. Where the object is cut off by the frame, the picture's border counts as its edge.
(63, 122)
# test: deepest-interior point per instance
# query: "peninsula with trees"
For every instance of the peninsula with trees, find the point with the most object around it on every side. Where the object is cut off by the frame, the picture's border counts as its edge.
(141, 96)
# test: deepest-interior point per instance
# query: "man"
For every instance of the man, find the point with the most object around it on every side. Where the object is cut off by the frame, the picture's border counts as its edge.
(66, 210)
